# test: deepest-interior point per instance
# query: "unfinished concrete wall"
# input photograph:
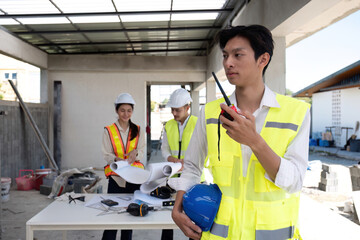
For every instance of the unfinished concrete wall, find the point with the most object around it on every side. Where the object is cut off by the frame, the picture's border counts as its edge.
(90, 85)
(19, 146)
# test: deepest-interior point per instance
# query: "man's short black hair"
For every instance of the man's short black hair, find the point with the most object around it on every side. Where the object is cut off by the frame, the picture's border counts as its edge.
(260, 39)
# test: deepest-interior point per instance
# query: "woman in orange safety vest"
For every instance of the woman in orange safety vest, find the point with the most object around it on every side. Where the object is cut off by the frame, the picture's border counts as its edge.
(122, 141)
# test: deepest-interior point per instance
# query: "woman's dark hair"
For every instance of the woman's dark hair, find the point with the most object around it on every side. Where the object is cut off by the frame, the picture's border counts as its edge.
(260, 39)
(133, 128)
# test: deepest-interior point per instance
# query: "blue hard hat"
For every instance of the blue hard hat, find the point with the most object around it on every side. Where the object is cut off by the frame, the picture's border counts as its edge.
(201, 204)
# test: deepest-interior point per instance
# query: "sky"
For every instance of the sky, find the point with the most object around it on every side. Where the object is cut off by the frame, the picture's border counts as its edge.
(323, 53)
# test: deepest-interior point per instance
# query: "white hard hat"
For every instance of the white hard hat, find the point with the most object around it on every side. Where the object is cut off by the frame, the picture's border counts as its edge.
(179, 98)
(124, 98)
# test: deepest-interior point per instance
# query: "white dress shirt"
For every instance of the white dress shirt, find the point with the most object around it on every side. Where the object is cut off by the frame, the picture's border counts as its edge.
(292, 166)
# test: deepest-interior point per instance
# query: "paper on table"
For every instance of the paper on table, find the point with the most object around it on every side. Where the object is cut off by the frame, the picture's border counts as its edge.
(153, 201)
(130, 174)
(155, 176)
(123, 201)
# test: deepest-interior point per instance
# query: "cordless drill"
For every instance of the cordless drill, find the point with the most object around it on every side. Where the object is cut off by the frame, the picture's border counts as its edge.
(138, 210)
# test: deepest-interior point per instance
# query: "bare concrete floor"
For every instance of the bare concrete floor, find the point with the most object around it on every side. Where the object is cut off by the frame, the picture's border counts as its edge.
(321, 213)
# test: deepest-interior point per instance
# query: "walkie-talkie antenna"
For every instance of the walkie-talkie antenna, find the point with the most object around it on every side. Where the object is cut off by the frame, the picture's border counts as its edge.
(222, 90)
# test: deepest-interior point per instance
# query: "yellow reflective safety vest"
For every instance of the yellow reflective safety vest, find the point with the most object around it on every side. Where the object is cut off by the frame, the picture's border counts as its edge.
(253, 207)
(177, 147)
(118, 146)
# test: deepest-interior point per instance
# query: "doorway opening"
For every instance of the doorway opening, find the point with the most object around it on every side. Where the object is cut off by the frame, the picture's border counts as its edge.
(158, 114)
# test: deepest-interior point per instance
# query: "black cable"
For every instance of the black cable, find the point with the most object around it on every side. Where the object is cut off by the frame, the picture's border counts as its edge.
(219, 137)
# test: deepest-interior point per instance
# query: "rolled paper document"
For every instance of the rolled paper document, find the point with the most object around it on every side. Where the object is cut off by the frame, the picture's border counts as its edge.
(155, 175)
(129, 173)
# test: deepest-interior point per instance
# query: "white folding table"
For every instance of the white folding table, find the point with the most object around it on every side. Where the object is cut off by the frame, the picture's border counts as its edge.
(60, 215)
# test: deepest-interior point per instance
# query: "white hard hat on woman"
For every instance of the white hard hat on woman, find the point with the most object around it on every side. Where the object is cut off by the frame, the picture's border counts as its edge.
(124, 98)
(179, 98)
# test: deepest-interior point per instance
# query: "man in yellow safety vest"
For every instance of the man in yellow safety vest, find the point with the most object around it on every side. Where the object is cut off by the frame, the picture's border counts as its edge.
(177, 133)
(259, 158)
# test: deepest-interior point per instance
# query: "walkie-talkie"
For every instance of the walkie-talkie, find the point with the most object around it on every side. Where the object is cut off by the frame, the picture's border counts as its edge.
(225, 114)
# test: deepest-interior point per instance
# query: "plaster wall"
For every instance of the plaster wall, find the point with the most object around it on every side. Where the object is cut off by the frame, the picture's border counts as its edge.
(321, 111)
(349, 110)
(90, 85)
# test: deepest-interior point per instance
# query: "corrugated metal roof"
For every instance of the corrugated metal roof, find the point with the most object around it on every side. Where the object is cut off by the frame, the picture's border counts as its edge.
(136, 27)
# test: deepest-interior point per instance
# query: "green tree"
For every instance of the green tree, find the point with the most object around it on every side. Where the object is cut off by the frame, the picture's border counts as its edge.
(288, 92)
(165, 101)
(153, 104)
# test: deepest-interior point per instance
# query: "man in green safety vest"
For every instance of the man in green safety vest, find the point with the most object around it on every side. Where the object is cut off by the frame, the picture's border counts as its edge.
(257, 156)
(177, 133)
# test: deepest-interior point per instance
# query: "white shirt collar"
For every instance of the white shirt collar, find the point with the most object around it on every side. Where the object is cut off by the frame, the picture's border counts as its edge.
(184, 124)
(268, 99)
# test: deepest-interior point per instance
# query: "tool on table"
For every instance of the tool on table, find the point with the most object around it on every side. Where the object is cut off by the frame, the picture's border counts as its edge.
(135, 209)
(168, 203)
(232, 106)
(109, 202)
(125, 198)
(162, 192)
(138, 210)
(81, 198)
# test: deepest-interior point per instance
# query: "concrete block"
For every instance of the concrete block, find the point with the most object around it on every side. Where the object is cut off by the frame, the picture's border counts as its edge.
(356, 199)
(326, 168)
(327, 175)
(355, 171)
(329, 181)
(45, 190)
(327, 188)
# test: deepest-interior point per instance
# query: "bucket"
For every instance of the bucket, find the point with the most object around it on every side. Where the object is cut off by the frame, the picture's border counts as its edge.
(25, 182)
(5, 189)
(39, 175)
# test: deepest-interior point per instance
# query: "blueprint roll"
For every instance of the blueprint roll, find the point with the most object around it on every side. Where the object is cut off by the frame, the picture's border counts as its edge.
(130, 174)
(159, 174)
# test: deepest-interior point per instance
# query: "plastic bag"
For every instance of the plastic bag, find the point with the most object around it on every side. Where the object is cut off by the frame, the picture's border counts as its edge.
(61, 181)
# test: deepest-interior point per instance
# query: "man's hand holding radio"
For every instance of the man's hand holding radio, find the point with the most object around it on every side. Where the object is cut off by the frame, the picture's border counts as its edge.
(242, 129)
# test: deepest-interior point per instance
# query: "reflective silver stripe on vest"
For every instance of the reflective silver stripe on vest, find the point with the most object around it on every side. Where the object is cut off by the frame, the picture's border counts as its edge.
(219, 230)
(175, 152)
(278, 234)
(290, 126)
(212, 121)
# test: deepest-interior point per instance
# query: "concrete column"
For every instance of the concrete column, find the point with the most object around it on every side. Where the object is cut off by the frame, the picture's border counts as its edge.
(210, 90)
(275, 73)
(195, 106)
(43, 86)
